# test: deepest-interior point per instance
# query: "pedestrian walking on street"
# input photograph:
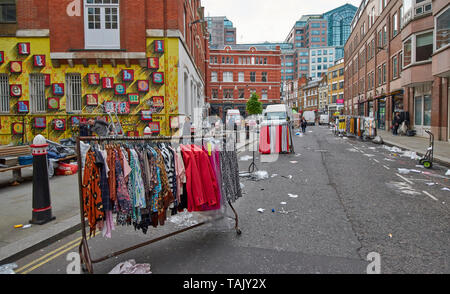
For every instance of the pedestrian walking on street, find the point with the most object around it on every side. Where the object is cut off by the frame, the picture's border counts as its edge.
(396, 124)
(303, 125)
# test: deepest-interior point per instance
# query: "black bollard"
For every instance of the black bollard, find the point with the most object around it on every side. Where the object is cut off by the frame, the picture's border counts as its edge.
(42, 209)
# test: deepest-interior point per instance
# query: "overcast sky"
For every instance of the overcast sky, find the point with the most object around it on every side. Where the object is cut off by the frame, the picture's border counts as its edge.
(258, 21)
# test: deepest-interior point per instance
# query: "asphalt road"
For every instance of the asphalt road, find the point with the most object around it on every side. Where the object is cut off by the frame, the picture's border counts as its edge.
(335, 201)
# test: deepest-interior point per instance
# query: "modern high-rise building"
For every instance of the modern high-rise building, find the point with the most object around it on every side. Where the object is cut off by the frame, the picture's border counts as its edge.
(221, 31)
(328, 31)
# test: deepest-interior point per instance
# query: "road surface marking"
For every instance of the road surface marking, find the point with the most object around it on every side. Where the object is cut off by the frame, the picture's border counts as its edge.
(385, 167)
(47, 255)
(431, 196)
(405, 179)
(72, 245)
(376, 160)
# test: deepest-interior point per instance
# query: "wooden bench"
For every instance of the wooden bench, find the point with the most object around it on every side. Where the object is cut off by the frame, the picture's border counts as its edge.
(16, 151)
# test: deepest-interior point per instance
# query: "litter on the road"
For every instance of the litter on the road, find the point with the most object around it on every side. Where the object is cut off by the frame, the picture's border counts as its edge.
(352, 150)
(294, 161)
(390, 235)
(420, 166)
(18, 226)
(297, 155)
(131, 268)
(404, 171)
(392, 149)
(260, 210)
(274, 175)
(256, 176)
(26, 226)
(285, 212)
(283, 203)
(430, 184)
(292, 195)
(288, 177)
(369, 155)
(7, 269)
(445, 189)
(447, 173)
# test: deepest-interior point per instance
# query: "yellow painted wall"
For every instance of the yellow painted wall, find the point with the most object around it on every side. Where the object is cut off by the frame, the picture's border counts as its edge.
(131, 122)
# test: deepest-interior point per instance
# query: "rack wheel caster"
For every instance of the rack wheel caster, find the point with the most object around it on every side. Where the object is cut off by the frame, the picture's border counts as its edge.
(84, 269)
(238, 231)
(427, 164)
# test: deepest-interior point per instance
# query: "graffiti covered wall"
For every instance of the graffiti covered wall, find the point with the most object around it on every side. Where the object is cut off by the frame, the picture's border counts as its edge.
(140, 95)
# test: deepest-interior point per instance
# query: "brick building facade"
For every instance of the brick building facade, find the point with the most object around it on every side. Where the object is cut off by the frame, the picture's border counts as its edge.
(63, 62)
(235, 72)
(389, 60)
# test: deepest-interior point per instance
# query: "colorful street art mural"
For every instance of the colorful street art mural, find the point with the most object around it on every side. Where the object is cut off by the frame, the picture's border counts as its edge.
(141, 96)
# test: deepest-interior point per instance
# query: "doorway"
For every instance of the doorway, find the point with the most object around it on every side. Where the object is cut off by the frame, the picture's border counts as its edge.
(422, 109)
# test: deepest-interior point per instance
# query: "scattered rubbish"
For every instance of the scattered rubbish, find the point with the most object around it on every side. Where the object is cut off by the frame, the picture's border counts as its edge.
(372, 148)
(403, 187)
(242, 185)
(392, 149)
(283, 203)
(245, 158)
(388, 159)
(293, 196)
(7, 269)
(352, 150)
(445, 189)
(390, 235)
(410, 154)
(297, 155)
(294, 161)
(288, 177)
(420, 166)
(404, 171)
(184, 219)
(416, 171)
(447, 173)
(26, 226)
(298, 133)
(284, 211)
(273, 210)
(310, 131)
(430, 184)
(377, 140)
(130, 267)
(260, 210)
(274, 175)
(256, 176)
(18, 226)
(369, 155)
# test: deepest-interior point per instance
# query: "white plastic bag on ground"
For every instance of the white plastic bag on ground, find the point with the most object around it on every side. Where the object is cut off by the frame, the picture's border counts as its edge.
(404, 171)
(245, 158)
(131, 268)
(261, 175)
(7, 269)
(447, 173)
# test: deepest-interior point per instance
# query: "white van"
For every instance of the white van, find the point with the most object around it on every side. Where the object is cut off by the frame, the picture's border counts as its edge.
(324, 119)
(233, 116)
(278, 112)
(310, 117)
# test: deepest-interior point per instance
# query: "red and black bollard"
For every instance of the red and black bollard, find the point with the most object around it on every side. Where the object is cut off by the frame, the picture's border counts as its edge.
(42, 209)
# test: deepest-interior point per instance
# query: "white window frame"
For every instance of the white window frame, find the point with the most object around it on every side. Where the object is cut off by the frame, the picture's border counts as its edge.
(4, 93)
(413, 39)
(38, 102)
(214, 76)
(74, 93)
(241, 77)
(227, 76)
(102, 44)
(435, 31)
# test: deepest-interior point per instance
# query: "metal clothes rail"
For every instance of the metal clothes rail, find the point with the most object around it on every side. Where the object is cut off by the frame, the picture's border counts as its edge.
(83, 249)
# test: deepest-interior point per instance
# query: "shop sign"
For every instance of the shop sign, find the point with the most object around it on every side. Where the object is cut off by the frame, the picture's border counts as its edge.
(154, 126)
(92, 99)
(123, 107)
(47, 80)
(158, 78)
(23, 48)
(108, 83)
(133, 134)
(110, 106)
(59, 124)
(93, 79)
(15, 90)
(153, 63)
(128, 75)
(143, 86)
(23, 106)
(15, 66)
(58, 89)
(120, 89)
(340, 101)
(158, 101)
(133, 98)
(146, 115)
(39, 60)
(75, 120)
(40, 122)
(17, 128)
(159, 46)
(53, 103)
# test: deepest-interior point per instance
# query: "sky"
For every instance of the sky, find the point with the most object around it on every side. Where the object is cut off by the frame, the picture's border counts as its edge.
(257, 21)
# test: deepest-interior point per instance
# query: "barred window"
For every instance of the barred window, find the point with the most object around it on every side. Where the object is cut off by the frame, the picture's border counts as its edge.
(4, 93)
(37, 93)
(73, 85)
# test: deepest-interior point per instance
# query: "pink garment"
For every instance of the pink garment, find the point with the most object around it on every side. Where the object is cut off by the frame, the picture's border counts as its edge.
(109, 224)
(180, 172)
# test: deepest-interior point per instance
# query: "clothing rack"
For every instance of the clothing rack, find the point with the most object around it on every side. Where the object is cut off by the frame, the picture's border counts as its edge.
(83, 249)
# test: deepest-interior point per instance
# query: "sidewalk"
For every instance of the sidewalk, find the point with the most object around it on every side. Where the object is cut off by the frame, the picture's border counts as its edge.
(16, 208)
(418, 145)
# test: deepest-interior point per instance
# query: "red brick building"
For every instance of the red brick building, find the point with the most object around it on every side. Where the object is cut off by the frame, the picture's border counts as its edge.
(397, 59)
(153, 52)
(234, 72)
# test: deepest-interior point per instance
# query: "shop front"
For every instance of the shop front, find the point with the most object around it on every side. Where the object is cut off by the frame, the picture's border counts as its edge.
(381, 114)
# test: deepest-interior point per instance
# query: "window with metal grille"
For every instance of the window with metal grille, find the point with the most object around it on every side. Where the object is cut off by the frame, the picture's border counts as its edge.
(73, 85)
(4, 93)
(37, 93)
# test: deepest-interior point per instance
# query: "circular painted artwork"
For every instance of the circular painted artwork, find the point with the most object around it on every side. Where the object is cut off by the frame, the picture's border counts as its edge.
(16, 90)
(16, 67)
(53, 103)
(17, 128)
